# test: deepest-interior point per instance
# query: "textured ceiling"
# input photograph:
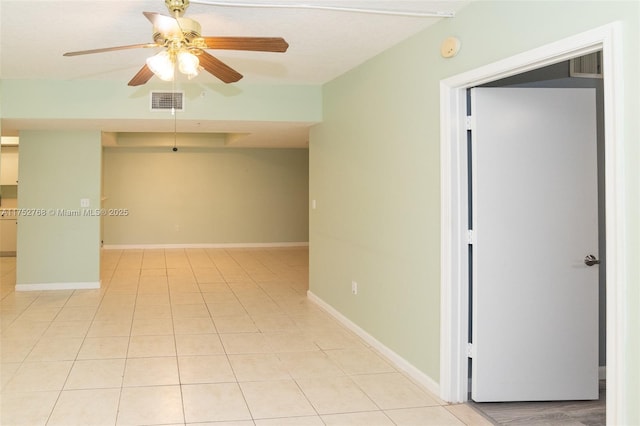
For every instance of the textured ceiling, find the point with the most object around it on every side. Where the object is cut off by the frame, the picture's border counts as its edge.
(323, 44)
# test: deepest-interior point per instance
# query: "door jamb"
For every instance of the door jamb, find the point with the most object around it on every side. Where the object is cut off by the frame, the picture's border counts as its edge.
(454, 205)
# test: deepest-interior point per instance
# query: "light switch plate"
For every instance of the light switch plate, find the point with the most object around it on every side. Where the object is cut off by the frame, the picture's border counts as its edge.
(84, 202)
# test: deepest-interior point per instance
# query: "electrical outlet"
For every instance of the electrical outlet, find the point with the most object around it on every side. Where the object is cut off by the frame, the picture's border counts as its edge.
(354, 287)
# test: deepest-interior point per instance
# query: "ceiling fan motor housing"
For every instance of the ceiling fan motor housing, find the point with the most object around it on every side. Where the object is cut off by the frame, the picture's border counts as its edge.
(190, 30)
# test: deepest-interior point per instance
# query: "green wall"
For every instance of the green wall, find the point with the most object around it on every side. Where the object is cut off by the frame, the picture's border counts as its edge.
(374, 172)
(205, 196)
(55, 246)
(103, 100)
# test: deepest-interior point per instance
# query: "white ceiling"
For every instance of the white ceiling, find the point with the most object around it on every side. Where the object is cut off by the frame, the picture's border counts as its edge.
(323, 44)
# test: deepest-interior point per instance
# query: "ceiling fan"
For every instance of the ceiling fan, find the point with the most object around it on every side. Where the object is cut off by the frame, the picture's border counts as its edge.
(185, 47)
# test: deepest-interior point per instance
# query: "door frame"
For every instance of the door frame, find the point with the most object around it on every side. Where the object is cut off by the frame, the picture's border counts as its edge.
(454, 294)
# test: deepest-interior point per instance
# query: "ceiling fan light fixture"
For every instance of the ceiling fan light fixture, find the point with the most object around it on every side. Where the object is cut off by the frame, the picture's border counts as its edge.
(161, 65)
(184, 48)
(188, 64)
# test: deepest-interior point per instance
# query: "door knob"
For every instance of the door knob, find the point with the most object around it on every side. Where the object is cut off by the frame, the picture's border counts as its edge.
(591, 260)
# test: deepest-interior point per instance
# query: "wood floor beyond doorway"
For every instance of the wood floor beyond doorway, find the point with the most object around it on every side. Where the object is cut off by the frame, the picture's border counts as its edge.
(565, 413)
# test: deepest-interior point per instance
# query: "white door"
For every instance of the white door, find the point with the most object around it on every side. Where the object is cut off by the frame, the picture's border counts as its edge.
(535, 218)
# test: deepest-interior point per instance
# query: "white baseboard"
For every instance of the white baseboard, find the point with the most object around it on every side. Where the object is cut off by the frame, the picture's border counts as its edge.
(205, 245)
(401, 363)
(58, 286)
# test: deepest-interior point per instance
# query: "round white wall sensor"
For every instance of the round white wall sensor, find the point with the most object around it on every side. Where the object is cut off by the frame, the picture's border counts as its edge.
(450, 47)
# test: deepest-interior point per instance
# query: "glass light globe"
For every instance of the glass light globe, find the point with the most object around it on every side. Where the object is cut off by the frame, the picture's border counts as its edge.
(188, 63)
(161, 65)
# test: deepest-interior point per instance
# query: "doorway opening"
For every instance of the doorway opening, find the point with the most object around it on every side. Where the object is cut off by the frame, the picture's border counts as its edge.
(580, 199)
(9, 151)
(454, 272)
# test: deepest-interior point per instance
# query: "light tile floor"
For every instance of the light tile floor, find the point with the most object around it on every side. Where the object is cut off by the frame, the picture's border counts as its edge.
(208, 337)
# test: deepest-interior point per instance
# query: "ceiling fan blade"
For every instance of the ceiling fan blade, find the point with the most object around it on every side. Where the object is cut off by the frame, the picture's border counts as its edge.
(218, 68)
(141, 77)
(111, 49)
(261, 44)
(168, 26)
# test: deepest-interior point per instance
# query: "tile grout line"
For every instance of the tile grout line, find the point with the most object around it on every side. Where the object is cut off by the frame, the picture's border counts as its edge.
(175, 340)
(124, 371)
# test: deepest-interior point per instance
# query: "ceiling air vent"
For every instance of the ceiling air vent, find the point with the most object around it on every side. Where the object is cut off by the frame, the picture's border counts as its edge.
(167, 101)
(587, 66)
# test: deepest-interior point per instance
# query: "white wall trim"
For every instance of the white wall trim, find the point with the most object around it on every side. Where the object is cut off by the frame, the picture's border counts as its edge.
(454, 292)
(207, 245)
(58, 286)
(402, 364)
